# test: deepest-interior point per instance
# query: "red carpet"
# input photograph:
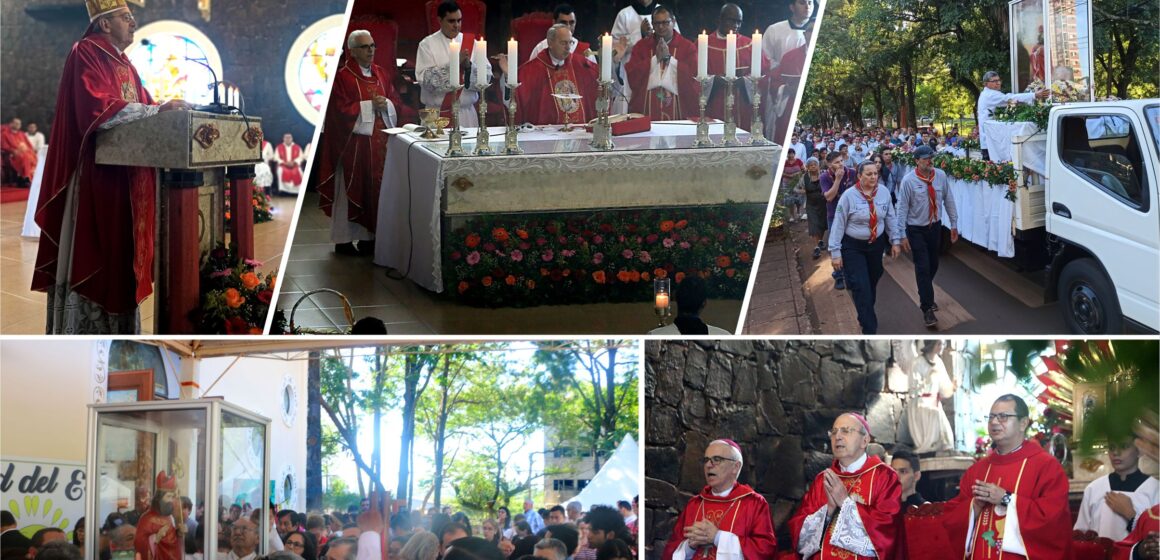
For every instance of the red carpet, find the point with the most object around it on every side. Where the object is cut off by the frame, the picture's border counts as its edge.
(13, 194)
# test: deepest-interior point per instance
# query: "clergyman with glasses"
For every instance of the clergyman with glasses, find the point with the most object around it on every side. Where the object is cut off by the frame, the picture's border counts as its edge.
(726, 520)
(1012, 503)
(852, 509)
(993, 97)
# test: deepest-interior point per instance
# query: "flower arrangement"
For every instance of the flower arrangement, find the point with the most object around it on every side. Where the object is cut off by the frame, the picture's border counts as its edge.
(604, 256)
(263, 210)
(234, 298)
(975, 170)
(1035, 113)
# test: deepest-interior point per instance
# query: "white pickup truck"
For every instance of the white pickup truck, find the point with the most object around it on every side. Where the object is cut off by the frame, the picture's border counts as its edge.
(1095, 210)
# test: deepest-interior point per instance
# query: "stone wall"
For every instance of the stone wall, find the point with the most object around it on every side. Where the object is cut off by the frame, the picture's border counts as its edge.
(253, 38)
(776, 399)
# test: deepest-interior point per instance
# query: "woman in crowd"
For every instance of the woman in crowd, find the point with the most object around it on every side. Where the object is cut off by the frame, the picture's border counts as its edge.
(301, 543)
(505, 521)
(421, 546)
(490, 529)
(864, 222)
(810, 182)
(614, 549)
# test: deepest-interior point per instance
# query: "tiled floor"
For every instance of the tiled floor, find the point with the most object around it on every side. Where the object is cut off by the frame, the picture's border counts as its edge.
(22, 311)
(408, 309)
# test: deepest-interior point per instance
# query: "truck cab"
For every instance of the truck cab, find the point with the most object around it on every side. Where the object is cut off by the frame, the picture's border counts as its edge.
(1102, 214)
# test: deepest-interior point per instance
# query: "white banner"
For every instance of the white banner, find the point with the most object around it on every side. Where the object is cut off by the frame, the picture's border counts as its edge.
(42, 493)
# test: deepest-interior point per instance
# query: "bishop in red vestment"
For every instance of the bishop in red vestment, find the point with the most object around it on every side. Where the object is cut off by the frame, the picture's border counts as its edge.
(730, 20)
(159, 537)
(853, 509)
(556, 71)
(1012, 504)
(727, 520)
(1142, 542)
(21, 155)
(362, 105)
(95, 257)
(662, 72)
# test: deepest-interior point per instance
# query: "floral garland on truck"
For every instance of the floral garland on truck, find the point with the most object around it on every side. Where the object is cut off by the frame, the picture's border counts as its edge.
(969, 169)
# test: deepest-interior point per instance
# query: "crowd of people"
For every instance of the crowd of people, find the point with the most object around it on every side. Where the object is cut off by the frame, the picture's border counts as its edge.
(165, 527)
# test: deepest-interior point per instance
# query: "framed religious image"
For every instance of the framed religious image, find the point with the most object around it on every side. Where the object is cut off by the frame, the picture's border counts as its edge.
(1028, 49)
(131, 386)
(1084, 401)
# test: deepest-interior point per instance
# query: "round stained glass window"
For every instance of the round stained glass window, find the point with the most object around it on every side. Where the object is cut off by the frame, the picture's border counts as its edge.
(310, 63)
(171, 57)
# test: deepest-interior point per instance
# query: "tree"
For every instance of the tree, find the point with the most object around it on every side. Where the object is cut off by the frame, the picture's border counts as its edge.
(344, 402)
(417, 370)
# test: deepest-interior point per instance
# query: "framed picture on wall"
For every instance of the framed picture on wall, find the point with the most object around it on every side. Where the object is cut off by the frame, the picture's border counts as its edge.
(131, 386)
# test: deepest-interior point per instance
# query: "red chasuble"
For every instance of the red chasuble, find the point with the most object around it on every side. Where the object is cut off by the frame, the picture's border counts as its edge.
(878, 495)
(743, 106)
(169, 547)
(1147, 522)
(289, 169)
(1040, 487)
(743, 512)
(112, 256)
(790, 69)
(540, 78)
(660, 104)
(22, 156)
(467, 46)
(362, 156)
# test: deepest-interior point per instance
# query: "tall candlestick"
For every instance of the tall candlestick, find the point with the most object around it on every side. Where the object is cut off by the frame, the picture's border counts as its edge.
(453, 54)
(606, 58)
(479, 60)
(702, 55)
(731, 55)
(513, 55)
(755, 58)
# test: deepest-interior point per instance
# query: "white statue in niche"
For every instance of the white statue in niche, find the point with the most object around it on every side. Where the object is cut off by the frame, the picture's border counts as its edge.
(930, 384)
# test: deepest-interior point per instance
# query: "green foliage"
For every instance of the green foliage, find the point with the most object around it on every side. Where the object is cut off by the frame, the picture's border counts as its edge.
(339, 497)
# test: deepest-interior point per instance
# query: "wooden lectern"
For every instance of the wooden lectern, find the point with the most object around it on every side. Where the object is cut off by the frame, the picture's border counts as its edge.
(193, 152)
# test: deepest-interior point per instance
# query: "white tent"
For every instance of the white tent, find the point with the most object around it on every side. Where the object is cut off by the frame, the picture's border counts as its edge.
(618, 479)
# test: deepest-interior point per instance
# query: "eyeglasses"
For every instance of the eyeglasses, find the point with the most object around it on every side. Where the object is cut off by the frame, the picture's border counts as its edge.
(716, 460)
(295, 544)
(844, 431)
(243, 530)
(1002, 417)
(662, 22)
(126, 17)
(366, 46)
(992, 80)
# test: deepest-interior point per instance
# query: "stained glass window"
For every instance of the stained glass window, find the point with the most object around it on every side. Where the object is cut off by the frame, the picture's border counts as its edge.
(309, 65)
(165, 56)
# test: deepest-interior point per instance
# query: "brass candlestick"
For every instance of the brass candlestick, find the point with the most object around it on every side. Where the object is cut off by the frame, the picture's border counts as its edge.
(511, 145)
(482, 138)
(730, 138)
(756, 134)
(602, 129)
(455, 137)
(703, 140)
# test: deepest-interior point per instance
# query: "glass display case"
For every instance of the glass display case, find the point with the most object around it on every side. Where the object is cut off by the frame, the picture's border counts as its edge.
(145, 457)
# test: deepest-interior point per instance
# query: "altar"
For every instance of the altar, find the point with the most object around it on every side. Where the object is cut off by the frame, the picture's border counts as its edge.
(437, 212)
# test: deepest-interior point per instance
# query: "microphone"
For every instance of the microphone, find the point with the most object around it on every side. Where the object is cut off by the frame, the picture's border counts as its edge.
(217, 106)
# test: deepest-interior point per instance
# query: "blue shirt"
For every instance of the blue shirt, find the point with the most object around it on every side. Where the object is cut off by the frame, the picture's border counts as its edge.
(852, 217)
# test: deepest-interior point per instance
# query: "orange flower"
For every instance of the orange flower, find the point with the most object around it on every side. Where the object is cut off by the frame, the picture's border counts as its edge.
(644, 276)
(724, 261)
(681, 224)
(667, 226)
(679, 276)
(500, 234)
(510, 280)
(531, 284)
(522, 234)
(730, 272)
(472, 240)
(487, 281)
(234, 297)
(623, 276)
(255, 330)
(599, 277)
(634, 276)
(250, 280)
(462, 286)
(744, 256)
(272, 280)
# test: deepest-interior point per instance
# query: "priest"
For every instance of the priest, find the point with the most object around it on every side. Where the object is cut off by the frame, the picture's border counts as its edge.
(1012, 504)
(1143, 543)
(661, 72)
(556, 71)
(21, 154)
(95, 257)
(729, 21)
(726, 520)
(362, 105)
(159, 537)
(852, 509)
(433, 66)
(289, 157)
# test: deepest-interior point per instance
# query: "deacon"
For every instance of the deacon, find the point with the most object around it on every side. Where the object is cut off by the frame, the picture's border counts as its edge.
(289, 157)
(729, 20)
(433, 66)
(1111, 503)
(784, 81)
(556, 70)
(95, 257)
(362, 106)
(159, 537)
(993, 97)
(1012, 503)
(779, 39)
(566, 15)
(852, 508)
(922, 196)
(726, 520)
(21, 155)
(661, 72)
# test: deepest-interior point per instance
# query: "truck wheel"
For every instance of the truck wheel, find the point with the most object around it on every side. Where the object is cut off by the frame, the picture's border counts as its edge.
(1088, 300)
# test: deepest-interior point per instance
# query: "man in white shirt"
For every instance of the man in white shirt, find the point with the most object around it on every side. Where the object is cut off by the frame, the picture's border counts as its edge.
(798, 147)
(1111, 503)
(566, 15)
(243, 540)
(433, 66)
(991, 97)
(35, 137)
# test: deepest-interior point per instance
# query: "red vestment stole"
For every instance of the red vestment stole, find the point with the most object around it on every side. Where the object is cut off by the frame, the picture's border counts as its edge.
(743, 108)
(660, 104)
(112, 245)
(169, 547)
(291, 173)
(743, 512)
(878, 494)
(540, 78)
(1147, 522)
(467, 45)
(987, 540)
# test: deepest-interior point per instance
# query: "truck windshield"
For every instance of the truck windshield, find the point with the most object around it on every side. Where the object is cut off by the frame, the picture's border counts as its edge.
(1152, 114)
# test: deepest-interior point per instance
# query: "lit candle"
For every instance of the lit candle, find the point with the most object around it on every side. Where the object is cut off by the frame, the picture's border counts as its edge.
(755, 59)
(731, 55)
(702, 55)
(662, 301)
(221, 93)
(513, 56)
(606, 58)
(479, 55)
(453, 54)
